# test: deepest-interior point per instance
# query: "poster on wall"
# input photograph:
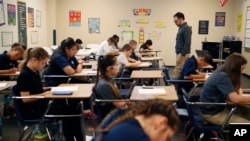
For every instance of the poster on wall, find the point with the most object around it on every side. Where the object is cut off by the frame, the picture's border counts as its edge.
(142, 21)
(22, 26)
(38, 18)
(75, 18)
(220, 18)
(34, 37)
(203, 27)
(124, 23)
(127, 35)
(7, 39)
(11, 12)
(2, 18)
(30, 17)
(141, 35)
(239, 23)
(142, 11)
(94, 25)
(154, 35)
(160, 24)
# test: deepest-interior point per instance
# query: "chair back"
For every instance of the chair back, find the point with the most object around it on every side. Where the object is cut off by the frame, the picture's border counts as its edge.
(17, 102)
(197, 121)
(166, 76)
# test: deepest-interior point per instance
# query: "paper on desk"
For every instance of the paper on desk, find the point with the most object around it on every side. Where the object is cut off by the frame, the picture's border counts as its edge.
(152, 91)
(65, 88)
(3, 84)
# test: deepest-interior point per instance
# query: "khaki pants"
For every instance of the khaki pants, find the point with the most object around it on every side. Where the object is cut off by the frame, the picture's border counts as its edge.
(180, 60)
(219, 118)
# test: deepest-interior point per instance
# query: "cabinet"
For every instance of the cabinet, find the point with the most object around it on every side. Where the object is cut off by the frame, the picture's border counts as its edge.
(213, 48)
(230, 47)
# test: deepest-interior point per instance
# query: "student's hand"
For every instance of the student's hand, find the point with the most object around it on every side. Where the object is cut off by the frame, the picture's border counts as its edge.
(80, 61)
(139, 55)
(46, 89)
(45, 93)
(138, 62)
(13, 70)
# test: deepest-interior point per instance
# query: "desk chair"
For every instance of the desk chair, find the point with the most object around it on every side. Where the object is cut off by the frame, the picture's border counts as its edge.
(197, 122)
(126, 93)
(25, 123)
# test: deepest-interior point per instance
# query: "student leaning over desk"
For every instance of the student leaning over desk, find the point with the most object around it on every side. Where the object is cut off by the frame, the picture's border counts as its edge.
(125, 61)
(64, 62)
(225, 84)
(8, 60)
(147, 46)
(189, 70)
(149, 120)
(29, 83)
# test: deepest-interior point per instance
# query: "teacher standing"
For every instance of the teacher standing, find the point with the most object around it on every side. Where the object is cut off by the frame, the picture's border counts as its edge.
(183, 42)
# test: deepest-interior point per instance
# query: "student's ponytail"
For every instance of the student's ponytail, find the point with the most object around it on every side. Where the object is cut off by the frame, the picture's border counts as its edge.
(26, 58)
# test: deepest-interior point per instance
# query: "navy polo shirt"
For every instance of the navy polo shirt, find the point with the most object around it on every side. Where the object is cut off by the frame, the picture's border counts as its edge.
(57, 63)
(189, 68)
(143, 46)
(30, 81)
(129, 128)
(6, 63)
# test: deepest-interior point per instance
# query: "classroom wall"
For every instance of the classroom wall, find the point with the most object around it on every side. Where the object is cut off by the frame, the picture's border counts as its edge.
(42, 31)
(242, 7)
(111, 11)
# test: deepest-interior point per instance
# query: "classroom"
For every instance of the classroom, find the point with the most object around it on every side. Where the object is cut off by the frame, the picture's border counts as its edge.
(220, 27)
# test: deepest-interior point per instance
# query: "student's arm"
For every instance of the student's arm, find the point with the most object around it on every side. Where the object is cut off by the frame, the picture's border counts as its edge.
(195, 76)
(9, 71)
(128, 64)
(131, 60)
(239, 99)
(107, 93)
(27, 100)
(79, 66)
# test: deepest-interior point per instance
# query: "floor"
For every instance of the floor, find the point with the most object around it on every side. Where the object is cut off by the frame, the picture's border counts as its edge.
(10, 128)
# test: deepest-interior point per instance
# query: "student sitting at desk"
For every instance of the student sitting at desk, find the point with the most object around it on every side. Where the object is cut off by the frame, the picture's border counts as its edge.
(149, 120)
(125, 61)
(189, 70)
(64, 62)
(134, 56)
(8, 60)
(147, 46)
(105, 88)
(105, 47)
(29, 83)
(225, 84)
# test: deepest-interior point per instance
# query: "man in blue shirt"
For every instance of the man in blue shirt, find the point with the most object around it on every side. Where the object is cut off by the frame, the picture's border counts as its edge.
(183, 42)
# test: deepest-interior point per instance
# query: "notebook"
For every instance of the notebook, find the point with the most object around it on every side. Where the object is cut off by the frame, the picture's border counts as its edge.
(62, 92)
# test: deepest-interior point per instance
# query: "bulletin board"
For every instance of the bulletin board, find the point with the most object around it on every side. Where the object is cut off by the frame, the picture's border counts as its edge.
(247, 29)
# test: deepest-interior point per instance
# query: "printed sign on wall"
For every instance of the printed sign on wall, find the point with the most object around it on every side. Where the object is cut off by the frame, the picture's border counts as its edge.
(142, 12)
(75, 18)
(11, 11)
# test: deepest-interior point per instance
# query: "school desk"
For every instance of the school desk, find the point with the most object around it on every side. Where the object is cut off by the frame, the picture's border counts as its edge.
(6, 84)
(147, 74)
(149, 92)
